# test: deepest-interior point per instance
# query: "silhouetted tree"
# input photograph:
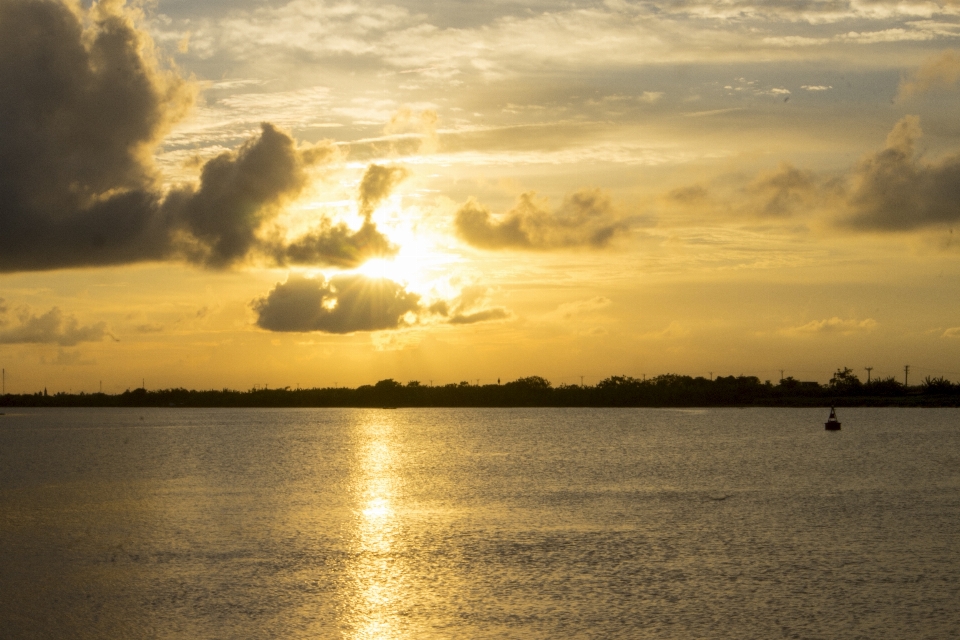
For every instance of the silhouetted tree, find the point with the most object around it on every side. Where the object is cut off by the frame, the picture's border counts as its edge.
(845, 381)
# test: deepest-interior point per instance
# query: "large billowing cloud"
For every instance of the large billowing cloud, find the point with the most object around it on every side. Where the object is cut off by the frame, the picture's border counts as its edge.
(80, 112)
(585, 219)
(342, 304)
(51, 327)
(83, 104)
(894, 190)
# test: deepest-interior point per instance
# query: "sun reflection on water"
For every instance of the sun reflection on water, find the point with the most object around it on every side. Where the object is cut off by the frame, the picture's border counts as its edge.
(376, 570)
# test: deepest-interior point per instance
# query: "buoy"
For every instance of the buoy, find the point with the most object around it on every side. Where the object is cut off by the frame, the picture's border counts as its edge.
(832, 424)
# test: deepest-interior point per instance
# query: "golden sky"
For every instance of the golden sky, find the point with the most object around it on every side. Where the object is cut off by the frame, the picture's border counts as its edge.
(237, 193)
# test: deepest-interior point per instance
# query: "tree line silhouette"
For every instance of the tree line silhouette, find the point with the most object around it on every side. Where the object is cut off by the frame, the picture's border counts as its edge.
(668, 390)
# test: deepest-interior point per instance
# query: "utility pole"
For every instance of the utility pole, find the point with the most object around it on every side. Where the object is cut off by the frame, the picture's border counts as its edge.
(4, 392)
(869, 369)
(478, 382)
(781, 375)
(101, 386)
(711, 376)
(581, 381)
(906, 375)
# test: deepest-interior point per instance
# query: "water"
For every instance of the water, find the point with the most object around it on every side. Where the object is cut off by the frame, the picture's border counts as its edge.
(470, 523)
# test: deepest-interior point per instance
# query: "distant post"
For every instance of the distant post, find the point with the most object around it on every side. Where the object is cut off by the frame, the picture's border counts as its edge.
(906, 375)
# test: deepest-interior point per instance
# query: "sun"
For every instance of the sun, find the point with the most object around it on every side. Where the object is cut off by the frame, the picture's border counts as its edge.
(387, 268)
(418, 264)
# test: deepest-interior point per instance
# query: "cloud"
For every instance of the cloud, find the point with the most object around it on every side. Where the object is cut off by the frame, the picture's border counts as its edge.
(470, 307)
(377, 184)
(893, 190)
(952, 332)
(585, 219)
(67, 359)
(80, 112)
(342, 304)
(651, 97)
(941, 71)
(238, 192)
(83, 104)
(832, 325)
(672, 331)
(336, 245)
(422, 125)
(52, 328)
(569, 310)
(782, 191)
(497, 313)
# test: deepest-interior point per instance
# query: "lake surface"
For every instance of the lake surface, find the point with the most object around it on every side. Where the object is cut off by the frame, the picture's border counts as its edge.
(479, 523)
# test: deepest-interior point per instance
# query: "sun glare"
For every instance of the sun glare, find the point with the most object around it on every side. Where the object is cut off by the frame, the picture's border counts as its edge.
(418, 265)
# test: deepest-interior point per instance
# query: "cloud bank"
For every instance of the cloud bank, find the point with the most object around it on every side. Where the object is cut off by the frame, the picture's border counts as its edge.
(83, 104)
(585, 219)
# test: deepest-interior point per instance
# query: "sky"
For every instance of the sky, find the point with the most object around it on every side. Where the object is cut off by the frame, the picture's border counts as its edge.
(235, 194)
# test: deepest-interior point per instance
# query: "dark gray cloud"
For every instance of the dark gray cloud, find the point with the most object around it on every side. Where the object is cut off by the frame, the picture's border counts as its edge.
(336, 245)
(342, 304)
(894, 190)
(585, 219)
(51, 327)
(83, 105)
(80, 112)
(239, 191)
(377, 184)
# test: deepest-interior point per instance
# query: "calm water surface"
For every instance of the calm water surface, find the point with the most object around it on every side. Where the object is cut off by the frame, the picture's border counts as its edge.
(471, 523)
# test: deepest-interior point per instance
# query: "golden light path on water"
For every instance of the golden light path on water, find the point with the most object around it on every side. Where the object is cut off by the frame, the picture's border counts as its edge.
(376, 571)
